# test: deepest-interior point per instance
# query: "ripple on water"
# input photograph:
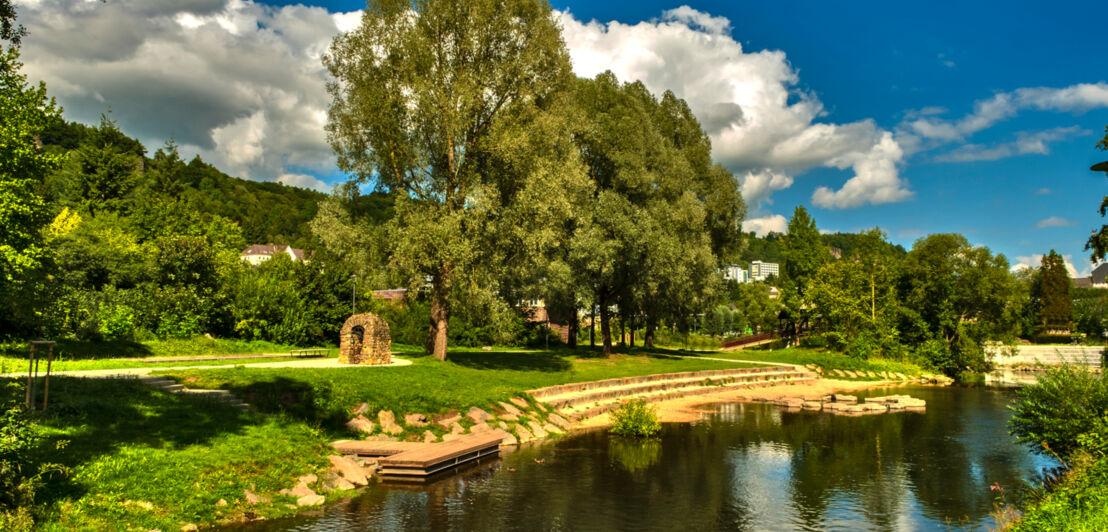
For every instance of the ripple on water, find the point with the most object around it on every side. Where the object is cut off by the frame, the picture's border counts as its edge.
(746, 467)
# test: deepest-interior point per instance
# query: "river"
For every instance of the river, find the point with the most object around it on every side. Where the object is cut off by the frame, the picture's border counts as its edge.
(742, 467)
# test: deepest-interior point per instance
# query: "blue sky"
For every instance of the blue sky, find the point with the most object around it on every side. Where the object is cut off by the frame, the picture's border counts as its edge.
(916, 117)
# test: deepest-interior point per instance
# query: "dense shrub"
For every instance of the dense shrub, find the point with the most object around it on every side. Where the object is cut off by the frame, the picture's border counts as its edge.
(1078, 502)
(20, 474)
(1068, 402)
(635, 418)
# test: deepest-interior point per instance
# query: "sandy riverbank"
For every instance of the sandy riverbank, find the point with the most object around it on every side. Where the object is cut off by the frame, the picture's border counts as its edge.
(691, 408)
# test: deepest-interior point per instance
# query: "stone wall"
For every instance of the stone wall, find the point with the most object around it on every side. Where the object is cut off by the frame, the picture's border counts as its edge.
(1030, 355)
(365, 340)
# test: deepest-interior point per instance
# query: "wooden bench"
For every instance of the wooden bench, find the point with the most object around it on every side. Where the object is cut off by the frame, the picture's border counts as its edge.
(309, 353)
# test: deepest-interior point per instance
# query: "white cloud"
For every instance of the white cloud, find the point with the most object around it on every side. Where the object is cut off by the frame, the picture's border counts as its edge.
(757, 186)
(304, 181)
(1025, 143)
(875, 181)
(1036, 260)
(239, 83)
(1042, 191)
(774, 223)
(1075, 99)
(759, 123)
(1054, 221)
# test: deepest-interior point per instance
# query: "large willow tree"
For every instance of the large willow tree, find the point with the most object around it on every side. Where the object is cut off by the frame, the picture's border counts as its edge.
(437, 101)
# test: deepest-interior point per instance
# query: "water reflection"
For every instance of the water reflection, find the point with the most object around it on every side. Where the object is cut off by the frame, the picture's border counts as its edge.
(745, 467)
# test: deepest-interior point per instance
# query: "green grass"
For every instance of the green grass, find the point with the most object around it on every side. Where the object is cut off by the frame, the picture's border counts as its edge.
(71, 355)
(141, 459)
(1078, 504)
(468, 378)
(824, 359)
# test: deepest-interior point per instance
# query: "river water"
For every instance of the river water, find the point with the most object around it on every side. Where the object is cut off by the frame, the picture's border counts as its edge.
(742, 467)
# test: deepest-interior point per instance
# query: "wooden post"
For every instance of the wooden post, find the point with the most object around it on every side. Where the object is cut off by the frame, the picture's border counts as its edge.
(46, 385)
(30, 368)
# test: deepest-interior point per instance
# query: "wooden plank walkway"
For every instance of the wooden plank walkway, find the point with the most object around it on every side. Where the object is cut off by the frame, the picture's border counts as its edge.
(376, 448)
(430, 458)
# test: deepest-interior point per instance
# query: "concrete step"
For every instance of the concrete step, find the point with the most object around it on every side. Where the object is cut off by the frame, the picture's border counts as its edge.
(617, 392)
(584, 411)
(576, 387)
(172, 388)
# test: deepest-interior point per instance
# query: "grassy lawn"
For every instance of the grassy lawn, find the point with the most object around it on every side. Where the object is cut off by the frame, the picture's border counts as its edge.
(468, 378)
(71, 355)
(824, 359)
(141, 459)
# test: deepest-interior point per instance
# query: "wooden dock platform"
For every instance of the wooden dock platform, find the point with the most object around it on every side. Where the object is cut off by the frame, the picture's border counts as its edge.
(417, 461)
(376, 448)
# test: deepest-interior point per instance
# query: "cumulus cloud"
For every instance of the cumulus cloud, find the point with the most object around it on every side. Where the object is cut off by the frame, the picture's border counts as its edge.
(774, 223)
(757, 186)
(241, 84)
(1024, 262)
(304, 181)
(1054, 221)
(762, 127)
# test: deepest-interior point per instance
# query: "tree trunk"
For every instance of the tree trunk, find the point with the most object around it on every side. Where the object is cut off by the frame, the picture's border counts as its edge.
(605, 327)
(622, 331)
(592, 327)
(632, 332)
(572, 329)
(648, 336)
(440, 314)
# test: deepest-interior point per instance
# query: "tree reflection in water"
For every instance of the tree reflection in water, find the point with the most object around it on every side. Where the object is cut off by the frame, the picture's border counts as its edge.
(747, 467)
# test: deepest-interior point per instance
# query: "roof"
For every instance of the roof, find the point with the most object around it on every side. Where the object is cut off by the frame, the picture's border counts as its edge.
(270, 250)
(392, 294)
(1099, 273)
(1083, 282)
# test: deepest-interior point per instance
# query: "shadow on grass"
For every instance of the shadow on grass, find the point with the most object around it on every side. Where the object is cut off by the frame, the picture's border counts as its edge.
(296, 399)
(98, 417)
(535, 361)
(73, 350)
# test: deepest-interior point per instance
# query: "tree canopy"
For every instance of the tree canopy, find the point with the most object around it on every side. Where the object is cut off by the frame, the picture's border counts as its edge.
(430, 99)
(1098, 242)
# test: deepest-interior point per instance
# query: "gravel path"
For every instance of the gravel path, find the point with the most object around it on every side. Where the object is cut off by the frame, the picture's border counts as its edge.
(135, 372)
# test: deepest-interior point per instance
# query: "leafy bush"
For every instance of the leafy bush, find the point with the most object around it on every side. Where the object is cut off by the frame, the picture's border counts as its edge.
(635, 418)
(116, 322)
(1067, 402)
(20, 474)
(1079, 502)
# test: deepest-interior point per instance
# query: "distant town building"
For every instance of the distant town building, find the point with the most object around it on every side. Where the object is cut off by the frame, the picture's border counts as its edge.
(836, 252)
(397, 295)
(735, 272)
(258, 253)
(1098, 278)
(759, 270)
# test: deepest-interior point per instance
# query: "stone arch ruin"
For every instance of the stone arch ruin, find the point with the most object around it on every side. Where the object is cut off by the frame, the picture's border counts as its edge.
(365, 340)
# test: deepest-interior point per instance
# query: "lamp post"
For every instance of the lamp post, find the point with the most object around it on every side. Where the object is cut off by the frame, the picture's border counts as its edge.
(353, 294)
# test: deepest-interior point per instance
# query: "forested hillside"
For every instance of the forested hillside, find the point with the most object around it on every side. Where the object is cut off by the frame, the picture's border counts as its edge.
(267, 212)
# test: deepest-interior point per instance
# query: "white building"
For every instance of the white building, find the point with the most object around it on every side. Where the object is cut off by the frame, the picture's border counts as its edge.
(257, 253)
(734, 272)
(759, 270)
